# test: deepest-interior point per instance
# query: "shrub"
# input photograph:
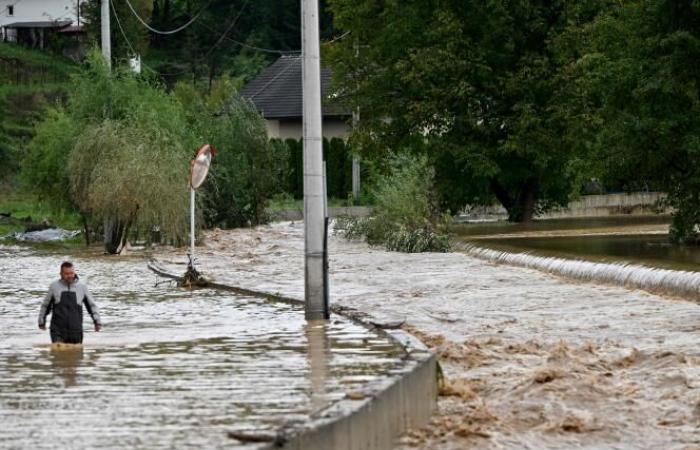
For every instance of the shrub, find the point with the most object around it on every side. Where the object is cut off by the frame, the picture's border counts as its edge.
(405, 217)
(248, 169)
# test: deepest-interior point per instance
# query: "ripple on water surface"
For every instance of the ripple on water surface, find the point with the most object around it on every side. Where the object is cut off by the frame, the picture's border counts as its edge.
(171, 368)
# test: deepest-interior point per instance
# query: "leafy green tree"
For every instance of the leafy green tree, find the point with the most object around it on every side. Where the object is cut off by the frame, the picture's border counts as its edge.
(473, 84)
(118, 153)
(640, 100)
(132, 176)
(236, 38)
(248, 169)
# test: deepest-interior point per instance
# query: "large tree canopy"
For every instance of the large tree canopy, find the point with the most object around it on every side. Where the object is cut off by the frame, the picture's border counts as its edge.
(475, 84)
(640, 80)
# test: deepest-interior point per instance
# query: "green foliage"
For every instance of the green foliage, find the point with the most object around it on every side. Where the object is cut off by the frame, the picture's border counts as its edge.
(337, 155)
(476, 85)
(19, 65)
(132, 173)
(29, 79)
(136, 33)
(45, 166)
(417, 241)
(404, 217)
(22, 208)
(230, 37)
(247, 170)
(640, 104)
(118, 153)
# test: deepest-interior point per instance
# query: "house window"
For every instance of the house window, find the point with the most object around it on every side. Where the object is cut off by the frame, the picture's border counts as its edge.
(10, 10)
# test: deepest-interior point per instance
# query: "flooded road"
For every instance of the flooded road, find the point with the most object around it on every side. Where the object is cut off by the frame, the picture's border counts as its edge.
(171, 368)
(532, 360)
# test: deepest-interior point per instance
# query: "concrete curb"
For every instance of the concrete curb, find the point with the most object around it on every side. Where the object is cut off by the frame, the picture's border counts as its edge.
(373, 418)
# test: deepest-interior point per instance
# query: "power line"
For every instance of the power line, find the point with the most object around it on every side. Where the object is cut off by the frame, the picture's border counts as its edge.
(253, 47)
(337, 38)
(169, 31)
(211, 49)
(227, 29)
(128, 43)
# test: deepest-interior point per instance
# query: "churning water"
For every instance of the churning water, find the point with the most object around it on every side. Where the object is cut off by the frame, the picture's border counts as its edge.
(172, 368)
(633, 252)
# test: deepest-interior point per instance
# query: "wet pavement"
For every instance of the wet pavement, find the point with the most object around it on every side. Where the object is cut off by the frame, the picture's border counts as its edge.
(172, 368)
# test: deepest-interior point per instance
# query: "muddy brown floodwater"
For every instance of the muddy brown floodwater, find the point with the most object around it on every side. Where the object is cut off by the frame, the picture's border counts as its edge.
(172, 368)
(532, 360)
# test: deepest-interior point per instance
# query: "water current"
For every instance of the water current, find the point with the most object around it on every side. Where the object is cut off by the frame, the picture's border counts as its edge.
(171, 368)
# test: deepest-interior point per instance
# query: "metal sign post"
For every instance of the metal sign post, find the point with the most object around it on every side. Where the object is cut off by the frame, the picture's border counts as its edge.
(199, 168)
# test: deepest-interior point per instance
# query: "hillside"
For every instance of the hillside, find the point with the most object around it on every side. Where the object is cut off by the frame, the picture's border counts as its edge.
(29, 80)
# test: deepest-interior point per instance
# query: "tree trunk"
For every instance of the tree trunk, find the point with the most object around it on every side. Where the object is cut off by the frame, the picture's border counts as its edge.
(521, 206)
(527, 200)
(113, 235)
(86, 229)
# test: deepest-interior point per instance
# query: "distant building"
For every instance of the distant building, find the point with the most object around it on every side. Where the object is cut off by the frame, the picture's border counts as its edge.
(277, 94)
(38, 23)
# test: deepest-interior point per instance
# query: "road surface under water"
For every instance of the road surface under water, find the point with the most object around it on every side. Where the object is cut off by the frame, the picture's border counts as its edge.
(172, 368)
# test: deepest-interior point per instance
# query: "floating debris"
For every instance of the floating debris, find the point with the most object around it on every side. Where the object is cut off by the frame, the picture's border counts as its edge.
(47, 235)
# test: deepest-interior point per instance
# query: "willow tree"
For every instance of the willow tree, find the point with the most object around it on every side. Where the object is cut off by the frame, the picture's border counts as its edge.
(118, 152)
(131, 176)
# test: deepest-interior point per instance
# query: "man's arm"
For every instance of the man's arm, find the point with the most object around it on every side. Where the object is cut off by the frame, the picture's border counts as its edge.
(92, 308)
(45, 309)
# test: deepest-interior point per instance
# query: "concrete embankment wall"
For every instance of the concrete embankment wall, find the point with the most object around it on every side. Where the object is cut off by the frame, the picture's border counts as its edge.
(638, 203)
(634, 204)
(371, 419)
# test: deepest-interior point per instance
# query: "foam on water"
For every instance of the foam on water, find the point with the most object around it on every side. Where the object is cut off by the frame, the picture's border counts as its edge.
(677, 282)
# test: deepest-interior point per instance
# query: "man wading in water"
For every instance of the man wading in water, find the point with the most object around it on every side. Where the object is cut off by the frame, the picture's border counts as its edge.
(64, 302)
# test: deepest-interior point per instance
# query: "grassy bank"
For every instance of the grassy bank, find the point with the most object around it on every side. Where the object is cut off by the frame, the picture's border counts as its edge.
(19, 209)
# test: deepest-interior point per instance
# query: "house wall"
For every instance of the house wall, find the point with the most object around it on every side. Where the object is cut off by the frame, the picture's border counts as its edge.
(285, 129)
(38, 11)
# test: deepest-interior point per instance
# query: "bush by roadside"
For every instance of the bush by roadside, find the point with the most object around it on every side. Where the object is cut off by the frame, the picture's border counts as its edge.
(406, 217)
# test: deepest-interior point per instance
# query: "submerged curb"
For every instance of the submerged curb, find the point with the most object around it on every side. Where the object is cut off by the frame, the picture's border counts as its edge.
(371, 419)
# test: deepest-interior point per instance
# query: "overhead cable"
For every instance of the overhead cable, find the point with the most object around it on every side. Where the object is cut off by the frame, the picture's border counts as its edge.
(128, 43)
(178, 29)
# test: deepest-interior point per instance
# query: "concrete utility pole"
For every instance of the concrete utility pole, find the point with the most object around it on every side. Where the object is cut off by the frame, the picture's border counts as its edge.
(355, 158)
(106, 41)
(316, 289)
(355, 161)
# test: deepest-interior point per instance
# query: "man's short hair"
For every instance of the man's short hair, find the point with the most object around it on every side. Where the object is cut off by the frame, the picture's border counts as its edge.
(66, 264)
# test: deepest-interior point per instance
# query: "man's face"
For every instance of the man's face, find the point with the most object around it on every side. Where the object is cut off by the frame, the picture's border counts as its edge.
(68, 274)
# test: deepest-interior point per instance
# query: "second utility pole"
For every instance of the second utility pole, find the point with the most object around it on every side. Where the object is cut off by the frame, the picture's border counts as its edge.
(316, 282)
(104, 31)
